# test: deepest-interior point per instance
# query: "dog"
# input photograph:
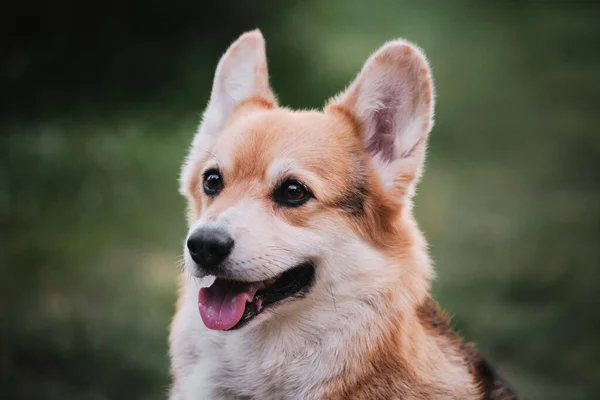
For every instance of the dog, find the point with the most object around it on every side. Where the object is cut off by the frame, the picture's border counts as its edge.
(305, 274)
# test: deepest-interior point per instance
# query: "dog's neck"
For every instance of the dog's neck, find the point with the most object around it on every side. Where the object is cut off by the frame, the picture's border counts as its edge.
(333, 354)
(326, 350)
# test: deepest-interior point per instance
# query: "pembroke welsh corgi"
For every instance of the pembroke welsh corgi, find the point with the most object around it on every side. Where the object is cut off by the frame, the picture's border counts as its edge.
(305, 274)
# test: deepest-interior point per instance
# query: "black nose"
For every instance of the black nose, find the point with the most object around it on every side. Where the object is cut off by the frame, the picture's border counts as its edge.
(209, 246)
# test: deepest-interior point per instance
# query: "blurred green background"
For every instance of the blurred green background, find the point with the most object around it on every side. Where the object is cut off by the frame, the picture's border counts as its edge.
(99, 103)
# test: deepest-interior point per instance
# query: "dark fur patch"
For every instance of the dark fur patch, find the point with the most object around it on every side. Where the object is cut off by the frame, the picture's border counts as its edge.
(354, 199)
(492, 385)
(353, 202)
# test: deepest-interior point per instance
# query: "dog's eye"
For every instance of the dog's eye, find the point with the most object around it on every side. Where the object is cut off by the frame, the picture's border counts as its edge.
(213, 183)
(292, 193)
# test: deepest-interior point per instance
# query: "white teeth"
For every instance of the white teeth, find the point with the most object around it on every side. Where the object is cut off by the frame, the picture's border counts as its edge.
(207, 280)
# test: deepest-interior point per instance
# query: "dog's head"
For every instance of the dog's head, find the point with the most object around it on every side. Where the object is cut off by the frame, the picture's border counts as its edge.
(289, 204)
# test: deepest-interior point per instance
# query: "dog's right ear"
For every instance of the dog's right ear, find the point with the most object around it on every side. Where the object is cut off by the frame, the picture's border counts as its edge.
(241, 75)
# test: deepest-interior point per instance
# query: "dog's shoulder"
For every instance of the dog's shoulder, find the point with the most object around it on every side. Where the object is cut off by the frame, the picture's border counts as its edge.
(492, 385)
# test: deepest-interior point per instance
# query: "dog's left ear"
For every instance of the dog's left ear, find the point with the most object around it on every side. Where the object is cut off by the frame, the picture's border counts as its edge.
(391, 100)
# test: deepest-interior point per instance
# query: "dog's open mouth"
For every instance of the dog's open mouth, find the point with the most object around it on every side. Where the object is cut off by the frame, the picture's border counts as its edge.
(228, 304)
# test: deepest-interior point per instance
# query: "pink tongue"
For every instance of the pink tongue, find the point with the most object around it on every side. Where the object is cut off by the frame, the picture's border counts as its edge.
(222, 304)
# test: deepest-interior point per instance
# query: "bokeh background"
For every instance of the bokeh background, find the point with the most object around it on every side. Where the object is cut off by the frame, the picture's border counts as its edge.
(99, 103)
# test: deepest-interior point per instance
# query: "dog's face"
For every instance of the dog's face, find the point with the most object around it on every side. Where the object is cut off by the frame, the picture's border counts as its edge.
(290, 207)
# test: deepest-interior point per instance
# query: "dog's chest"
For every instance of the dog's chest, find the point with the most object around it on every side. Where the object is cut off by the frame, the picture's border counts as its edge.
(286, 365)
(278, 371)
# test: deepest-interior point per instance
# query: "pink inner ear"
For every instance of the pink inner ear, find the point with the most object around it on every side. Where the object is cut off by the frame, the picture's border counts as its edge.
(391, 97)
(384, 121)
(394, 112)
